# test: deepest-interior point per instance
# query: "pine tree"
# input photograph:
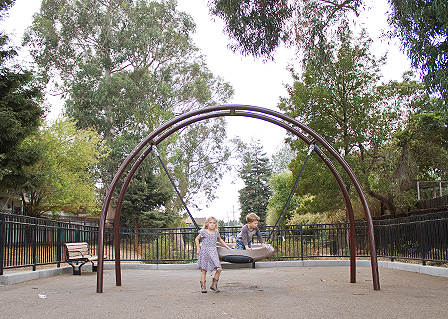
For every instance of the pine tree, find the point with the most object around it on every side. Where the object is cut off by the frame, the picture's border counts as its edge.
(255, 172)
(21, 113)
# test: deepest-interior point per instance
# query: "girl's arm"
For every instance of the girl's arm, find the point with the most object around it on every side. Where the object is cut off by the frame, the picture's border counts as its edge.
(198, 248)
(223, 242)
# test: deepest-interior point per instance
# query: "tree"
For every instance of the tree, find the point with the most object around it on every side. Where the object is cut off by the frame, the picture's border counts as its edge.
(62, 178)
(21, 109)
(281, 184)
(416, 151)
(281, 158)
(5, 5)
(422, 27)
(258, 27)
(376, 127)
(143, 201)
(125, 68)
(255, 172)
(337, 99)
(198, 161)
(128, 67)
(340, 101)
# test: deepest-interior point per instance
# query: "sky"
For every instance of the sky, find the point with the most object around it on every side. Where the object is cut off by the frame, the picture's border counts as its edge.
(255, 83)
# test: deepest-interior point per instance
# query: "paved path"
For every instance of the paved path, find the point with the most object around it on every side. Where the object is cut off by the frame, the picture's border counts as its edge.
(280, 292)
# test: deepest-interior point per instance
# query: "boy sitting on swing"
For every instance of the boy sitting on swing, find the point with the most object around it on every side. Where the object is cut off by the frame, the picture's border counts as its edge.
(244, 238)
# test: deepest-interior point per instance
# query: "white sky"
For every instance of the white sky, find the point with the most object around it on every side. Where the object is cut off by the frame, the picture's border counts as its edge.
(255, 83)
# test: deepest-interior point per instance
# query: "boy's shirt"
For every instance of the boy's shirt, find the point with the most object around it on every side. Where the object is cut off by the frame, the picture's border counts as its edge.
(246, 235)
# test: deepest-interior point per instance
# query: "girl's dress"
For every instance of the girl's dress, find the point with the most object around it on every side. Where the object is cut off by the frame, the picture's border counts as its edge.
(208, 256)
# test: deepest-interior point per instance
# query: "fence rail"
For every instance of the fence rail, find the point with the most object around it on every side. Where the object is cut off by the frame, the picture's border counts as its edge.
(32, 242)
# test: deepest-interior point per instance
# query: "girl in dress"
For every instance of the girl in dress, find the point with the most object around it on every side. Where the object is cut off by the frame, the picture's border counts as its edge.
(208, 258)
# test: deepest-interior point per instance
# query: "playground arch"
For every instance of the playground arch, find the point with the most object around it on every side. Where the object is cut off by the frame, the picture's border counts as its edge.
(290, 124)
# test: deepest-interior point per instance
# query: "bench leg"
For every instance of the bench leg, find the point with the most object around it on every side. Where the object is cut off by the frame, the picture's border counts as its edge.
(94, 267)
(77, 269)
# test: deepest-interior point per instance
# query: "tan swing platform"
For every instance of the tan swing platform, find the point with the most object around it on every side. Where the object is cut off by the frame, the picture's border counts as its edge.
(240, 256)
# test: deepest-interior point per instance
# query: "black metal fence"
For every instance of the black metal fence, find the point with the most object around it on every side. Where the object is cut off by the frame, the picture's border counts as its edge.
(33, 242)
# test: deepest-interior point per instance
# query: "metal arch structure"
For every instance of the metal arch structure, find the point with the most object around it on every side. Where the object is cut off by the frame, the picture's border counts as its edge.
(290, 124)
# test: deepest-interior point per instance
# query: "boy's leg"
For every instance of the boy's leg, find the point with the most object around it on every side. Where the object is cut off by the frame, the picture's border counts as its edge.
(239, 244)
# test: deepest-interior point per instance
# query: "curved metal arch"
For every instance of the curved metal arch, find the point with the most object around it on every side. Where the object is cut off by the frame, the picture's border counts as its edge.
(174, 129)
(188, 118)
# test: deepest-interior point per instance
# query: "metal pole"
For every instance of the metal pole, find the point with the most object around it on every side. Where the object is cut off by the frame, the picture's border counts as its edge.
(418, 190)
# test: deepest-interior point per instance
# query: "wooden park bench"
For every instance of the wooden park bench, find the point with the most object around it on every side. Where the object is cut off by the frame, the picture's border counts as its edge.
(77, 254)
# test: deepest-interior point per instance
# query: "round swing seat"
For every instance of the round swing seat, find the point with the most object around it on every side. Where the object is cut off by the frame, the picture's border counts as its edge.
(239, 256)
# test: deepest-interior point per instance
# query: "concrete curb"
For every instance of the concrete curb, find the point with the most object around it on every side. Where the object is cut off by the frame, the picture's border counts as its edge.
(13, 277)
(428, 270)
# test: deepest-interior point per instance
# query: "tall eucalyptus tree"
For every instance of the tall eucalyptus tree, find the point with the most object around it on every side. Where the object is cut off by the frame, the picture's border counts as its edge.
(124, 67)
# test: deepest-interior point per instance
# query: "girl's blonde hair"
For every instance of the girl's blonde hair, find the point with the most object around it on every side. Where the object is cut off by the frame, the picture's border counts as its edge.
(207, 221)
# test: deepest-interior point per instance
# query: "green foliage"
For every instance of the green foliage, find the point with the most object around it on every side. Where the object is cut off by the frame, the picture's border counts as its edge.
(20, 101)
(281, 185)
(429, 143)
(255, 171)
(5, 5)
(258, 27)
(337, 98)
(422, 27)
(198, 155)
(145, 195)
(281, 158)
(21, 114)
(416, 150)
(126, 68)
(303, 200)
(62, 178)
(337, 216)
(377, 128)
(159, 250)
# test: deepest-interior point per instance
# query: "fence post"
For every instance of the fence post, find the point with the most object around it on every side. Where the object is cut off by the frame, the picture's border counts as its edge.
(423, 242)
(157, 246)
(34, 234)
(77, 233)
(59, 245)
(301, 242)
(391, 243)
(2, 241)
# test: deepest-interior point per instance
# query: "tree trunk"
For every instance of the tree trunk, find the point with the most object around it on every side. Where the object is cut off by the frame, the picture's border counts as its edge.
(387, 201)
